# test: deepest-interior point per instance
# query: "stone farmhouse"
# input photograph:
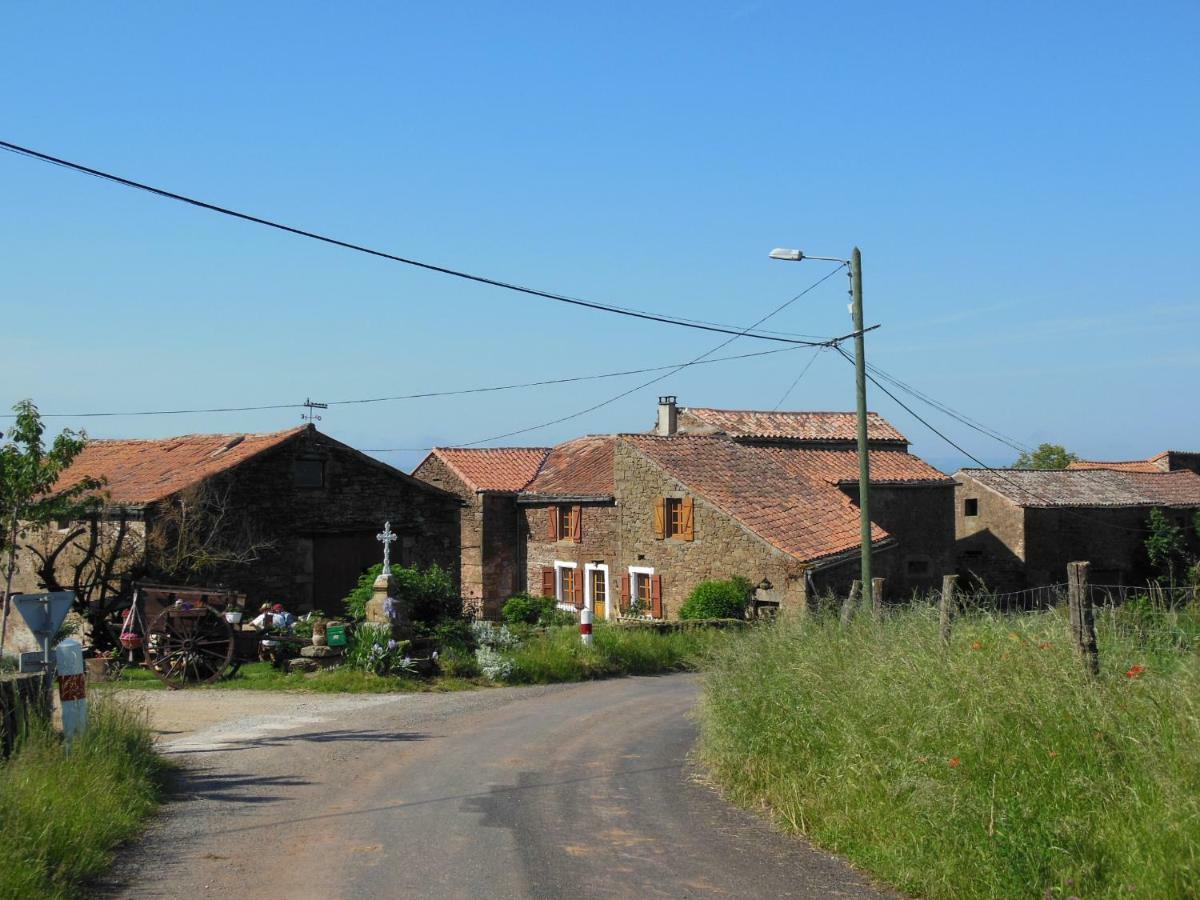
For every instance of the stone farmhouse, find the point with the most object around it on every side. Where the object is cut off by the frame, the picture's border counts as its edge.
(625, 522)
(296, 513)
(1018, 528)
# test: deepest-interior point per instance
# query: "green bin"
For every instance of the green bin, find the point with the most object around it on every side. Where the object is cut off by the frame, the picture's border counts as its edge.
(335, 635)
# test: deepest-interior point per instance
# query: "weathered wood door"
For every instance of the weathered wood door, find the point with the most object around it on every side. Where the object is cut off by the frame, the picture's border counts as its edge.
(338, 561)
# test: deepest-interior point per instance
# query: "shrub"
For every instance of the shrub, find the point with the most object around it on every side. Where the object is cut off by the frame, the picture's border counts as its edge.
(717, 600)
(523, 609)
(429, 592)
(493, 664)
(992, 767)
(495, 637)
(373, 650)
(459, 663)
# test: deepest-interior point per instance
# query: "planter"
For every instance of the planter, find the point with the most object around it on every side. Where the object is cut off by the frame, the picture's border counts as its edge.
(131, 640)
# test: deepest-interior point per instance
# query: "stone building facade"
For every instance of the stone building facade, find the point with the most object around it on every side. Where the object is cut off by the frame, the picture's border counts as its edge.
(1018, 529)
(309, 505)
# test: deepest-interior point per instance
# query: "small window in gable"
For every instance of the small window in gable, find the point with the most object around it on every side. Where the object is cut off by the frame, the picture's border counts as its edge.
(308, 473)
(971, 507)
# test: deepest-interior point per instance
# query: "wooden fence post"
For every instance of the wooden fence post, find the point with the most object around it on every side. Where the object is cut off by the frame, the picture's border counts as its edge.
(947, 605)
(1083, 623)
(850, 602)
(877, 597)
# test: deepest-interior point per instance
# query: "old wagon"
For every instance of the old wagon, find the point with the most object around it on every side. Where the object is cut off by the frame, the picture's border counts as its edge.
(188, 635)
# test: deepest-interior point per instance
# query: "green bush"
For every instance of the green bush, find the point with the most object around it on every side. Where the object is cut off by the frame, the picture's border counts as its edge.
(717, 600)
(993, 767)
(523, 609)
(373, 650)
(60, 816)
(430, 593)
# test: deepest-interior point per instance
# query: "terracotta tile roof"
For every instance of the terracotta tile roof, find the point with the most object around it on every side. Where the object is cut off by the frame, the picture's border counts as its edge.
(579, 468)
(841, 466)
(142, 471)
(799, 426)
(1157, 463)
(493, 468)
(807, 519)
(1091, 487)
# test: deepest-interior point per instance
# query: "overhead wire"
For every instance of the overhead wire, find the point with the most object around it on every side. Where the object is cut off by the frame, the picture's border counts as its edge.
(808, 365)
(832, 342)
(408, 261)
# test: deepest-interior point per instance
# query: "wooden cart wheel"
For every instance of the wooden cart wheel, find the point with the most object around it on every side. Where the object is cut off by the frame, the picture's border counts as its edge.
(188, 646)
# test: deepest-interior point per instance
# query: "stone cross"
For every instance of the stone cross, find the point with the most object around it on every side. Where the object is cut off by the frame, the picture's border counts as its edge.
(387, 536)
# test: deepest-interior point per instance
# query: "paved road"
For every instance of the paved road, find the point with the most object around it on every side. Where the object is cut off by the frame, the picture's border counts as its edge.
(570, 791)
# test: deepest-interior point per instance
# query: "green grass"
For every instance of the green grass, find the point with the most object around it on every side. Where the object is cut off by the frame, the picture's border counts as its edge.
(261, 676)
(558, 655)
(991, 768)
(61, 815)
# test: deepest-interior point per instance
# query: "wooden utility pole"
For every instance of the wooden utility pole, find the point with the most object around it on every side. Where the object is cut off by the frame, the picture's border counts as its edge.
(860, 390)
(1083, 622)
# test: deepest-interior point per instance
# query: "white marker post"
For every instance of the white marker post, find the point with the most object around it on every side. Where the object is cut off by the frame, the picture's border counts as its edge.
(585, 626)
(72, 688)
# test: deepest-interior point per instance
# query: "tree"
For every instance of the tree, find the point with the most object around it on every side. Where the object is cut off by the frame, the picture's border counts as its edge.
(199, 531)
(28, 475)
(1046, 456)
(1165, 545)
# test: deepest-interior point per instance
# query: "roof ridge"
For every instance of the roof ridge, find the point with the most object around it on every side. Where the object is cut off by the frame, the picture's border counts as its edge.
(197, 434)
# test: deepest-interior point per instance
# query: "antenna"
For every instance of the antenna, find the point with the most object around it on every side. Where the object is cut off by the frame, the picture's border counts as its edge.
(312, 405)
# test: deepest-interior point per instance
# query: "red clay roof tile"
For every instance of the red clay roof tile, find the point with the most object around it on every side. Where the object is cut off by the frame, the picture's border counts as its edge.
(494, 468)
(579, 468)
(841, 466)
(800, 426)
(1091, 487)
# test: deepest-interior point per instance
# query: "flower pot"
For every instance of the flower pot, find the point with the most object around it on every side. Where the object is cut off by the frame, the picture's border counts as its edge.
(131, 640)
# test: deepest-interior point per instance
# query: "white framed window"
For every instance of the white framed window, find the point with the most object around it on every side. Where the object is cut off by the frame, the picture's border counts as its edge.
(596, 593)
(565, 574)
(641, 580)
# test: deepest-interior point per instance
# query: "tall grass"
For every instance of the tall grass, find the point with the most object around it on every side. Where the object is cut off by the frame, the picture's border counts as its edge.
(62, 814)
(558, 654)
(991, 768)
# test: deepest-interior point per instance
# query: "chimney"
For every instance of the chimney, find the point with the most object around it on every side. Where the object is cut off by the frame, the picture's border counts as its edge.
(668, 416)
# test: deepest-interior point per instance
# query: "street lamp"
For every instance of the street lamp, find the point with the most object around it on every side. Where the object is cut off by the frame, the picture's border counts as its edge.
(860, 372)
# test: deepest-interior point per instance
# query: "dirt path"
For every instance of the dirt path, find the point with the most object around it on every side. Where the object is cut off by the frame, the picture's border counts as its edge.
(565, 791)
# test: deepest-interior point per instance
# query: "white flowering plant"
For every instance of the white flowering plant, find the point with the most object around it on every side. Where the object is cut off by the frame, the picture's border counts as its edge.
(373, 650)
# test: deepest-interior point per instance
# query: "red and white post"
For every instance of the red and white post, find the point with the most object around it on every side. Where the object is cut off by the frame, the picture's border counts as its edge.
(585, 626)
(72, 688)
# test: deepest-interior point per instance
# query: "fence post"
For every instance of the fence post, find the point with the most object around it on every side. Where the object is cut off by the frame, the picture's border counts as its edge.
(947, 606)
(877, 597)
(850, 602)
(1083, 623)
(585, 626)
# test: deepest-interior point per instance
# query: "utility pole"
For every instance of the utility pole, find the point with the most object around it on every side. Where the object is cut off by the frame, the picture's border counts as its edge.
(860, 390)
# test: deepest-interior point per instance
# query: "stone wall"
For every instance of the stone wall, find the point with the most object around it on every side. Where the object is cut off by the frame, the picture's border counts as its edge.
(503, 557)
(471, 519)
(989, 547)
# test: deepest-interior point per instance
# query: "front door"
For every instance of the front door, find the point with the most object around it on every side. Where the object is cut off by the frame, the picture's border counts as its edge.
(599, 592)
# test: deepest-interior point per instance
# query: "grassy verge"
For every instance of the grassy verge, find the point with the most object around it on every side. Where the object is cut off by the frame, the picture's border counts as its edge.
(61, 815)
(990, 768)
(265, 677)
(558, 655)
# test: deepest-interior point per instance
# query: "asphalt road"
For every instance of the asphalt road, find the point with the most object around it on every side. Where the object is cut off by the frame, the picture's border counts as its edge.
(568, 791)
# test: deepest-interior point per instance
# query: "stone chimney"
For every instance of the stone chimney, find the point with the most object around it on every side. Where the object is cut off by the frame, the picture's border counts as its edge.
(668, 417)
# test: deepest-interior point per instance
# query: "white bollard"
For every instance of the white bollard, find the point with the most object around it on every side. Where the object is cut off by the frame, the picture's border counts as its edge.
(72, 688)
(585, 626)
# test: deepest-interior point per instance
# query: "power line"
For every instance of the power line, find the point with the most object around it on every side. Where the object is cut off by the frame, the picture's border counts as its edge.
(999, 472)
(803, 372)
(420, 396)
(832, 342)
(444, 270)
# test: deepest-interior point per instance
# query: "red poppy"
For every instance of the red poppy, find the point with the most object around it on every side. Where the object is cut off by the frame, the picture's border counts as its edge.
(1053, 754)
(1045, 645)
(975, 645)
(1135, 671)
(955, 762)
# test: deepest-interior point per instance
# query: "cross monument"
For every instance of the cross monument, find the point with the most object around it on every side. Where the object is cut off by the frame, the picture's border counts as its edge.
(387, 536)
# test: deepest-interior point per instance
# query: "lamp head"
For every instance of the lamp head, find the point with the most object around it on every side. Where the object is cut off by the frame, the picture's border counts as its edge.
(791, 255)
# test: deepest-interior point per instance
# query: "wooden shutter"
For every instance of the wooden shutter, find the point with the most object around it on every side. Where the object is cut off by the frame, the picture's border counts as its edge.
(578, 583)
(656, 596)
(626, 589)
(577, 523)
(687, 530)
(660, 517)
(552, 518)
(549, 588)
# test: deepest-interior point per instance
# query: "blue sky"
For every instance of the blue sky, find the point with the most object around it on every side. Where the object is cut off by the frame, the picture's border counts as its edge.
(1021, 178)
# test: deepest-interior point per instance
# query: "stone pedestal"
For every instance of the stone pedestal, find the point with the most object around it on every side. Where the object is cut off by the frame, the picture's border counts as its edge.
(384, 609)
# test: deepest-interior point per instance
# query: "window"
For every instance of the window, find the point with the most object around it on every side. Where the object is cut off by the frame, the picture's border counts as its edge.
(641, 592)
(673, 518)
(564, 522)
(918, 566)
(308, 473)
(971, 507)
(567, 583)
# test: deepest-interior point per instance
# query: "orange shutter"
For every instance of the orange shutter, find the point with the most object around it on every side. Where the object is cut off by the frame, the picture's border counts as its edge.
(687, 529)
(577, 577)
(625, 593)
(577, 523)
(660, 517)
(548, 586)
(552, 518)
(656, 596)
